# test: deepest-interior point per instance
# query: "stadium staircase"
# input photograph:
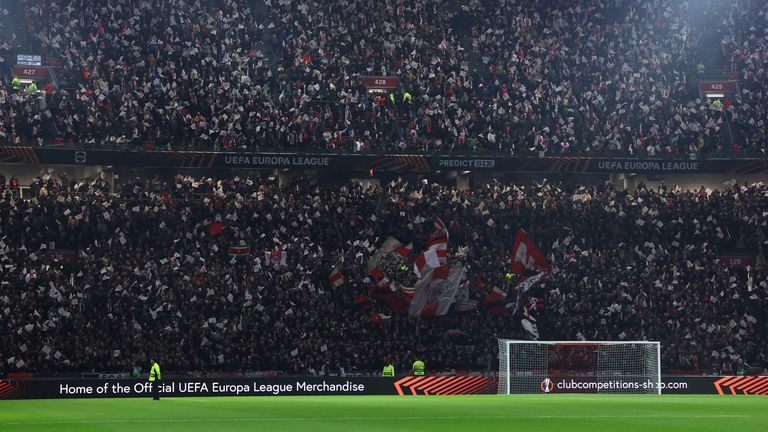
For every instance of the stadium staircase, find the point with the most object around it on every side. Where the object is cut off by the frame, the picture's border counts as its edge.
(716, 68)
(462, 24)
(263, 14)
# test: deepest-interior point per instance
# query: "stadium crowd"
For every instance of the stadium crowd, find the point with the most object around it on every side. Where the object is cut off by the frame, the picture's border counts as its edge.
(234, 274)
(553, 77)
(745, 46)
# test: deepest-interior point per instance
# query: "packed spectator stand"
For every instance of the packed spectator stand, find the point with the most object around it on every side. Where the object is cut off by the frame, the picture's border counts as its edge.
(95, 278)
(507, 76)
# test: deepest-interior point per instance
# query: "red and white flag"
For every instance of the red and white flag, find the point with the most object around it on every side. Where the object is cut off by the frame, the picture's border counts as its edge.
(336, 279)
(436, 254)
(407, 292)
(526, 255)
(496, 295)
(276, 258)
(385, 294)
(526, 284)
(531, 266)
(378, 318)
(434, 292)
(390, 250)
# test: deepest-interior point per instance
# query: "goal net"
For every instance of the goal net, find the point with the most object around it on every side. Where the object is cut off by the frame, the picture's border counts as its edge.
(579, 367)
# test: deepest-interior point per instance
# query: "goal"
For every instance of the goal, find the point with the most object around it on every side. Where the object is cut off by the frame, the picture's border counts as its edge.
(579, 367)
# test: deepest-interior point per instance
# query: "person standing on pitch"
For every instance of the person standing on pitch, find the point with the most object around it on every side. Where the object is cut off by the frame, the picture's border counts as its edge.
(154, 379)
(418, 367)
(389, 370)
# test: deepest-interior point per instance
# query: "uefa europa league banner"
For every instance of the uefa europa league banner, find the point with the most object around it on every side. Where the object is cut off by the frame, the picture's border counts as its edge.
(278, 386)
(402, 386)
(374, 163)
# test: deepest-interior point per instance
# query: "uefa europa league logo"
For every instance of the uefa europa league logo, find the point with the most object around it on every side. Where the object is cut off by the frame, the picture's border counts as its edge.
(547, 385)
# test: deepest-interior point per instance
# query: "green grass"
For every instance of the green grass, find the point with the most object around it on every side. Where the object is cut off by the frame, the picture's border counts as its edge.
(485, 413)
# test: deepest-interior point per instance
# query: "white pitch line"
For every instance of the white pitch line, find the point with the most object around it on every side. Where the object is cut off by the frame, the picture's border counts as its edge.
(196, 400)
(274, 419)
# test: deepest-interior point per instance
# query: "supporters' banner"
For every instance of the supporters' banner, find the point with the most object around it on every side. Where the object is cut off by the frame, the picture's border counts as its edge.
(526, 255)
(434, 292)
(436, 254)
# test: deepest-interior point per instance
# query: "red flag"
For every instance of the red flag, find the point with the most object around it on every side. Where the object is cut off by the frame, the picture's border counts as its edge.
(215, 229)
(386, 294)
(378, 318)
(526, 255)
(499, 310)
(496, 295)
(363, 302)
(336, 278)
(436, 254)
(479, 284)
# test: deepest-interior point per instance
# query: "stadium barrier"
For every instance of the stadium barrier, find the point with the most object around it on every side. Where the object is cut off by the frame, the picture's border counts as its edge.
(403, 386)
(369, 162)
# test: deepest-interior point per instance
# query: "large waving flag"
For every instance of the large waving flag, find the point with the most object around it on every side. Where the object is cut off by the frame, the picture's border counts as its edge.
(382, 267)
(434, 292)
(390, 250)
(526, 255)
(531, 267)
(436, 254)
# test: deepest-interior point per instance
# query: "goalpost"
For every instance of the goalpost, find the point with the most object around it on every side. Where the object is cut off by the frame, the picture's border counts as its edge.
(579, 367)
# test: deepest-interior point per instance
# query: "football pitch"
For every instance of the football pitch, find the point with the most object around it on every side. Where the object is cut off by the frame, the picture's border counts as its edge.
(483, 413)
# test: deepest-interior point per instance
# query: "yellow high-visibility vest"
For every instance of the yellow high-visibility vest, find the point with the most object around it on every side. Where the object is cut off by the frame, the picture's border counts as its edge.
(389, 371)
(418, 367)
(154, 373)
